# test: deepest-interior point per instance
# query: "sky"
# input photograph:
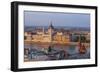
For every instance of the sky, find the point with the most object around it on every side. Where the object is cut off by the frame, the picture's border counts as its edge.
(32, 18)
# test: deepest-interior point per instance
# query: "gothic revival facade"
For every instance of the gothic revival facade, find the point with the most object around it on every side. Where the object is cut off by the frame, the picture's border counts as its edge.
(50, 35)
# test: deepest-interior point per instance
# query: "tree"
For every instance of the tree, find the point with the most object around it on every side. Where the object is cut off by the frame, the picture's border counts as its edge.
(75, 38)
(83, 39)
(25, 37)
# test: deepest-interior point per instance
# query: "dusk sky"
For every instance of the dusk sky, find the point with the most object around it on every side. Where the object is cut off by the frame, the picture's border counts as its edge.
(32, 18)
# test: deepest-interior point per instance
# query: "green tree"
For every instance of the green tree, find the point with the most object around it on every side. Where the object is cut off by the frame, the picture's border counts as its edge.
(83, 39)
(24, 37)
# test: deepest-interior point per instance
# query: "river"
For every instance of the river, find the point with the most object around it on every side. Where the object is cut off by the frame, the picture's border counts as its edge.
(40, 52)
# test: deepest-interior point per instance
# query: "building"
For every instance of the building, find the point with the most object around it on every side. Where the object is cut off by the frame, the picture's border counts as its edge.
(49, 35)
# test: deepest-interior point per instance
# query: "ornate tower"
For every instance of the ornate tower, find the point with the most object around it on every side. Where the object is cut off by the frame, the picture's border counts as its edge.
(43, 30)
(51, 31)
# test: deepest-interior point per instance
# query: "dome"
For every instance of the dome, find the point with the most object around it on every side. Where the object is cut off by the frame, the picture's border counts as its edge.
(51, 26)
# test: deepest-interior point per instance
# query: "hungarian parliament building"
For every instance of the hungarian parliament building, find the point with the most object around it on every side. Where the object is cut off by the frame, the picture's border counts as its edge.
(47, 36)
(53, 35)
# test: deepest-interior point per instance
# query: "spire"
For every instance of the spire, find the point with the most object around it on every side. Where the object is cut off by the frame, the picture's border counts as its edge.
(43, 30)
(51, 26)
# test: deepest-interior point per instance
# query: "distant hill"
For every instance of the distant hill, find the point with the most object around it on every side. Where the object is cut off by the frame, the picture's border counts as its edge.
(32, 28)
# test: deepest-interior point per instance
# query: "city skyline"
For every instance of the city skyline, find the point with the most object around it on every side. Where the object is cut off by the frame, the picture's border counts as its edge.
(56, 39)
(57, 19)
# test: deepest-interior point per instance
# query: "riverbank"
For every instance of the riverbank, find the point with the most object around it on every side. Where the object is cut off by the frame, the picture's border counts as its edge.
(57, 43)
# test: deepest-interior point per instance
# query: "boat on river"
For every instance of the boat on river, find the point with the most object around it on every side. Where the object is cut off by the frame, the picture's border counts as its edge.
(82, 48)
